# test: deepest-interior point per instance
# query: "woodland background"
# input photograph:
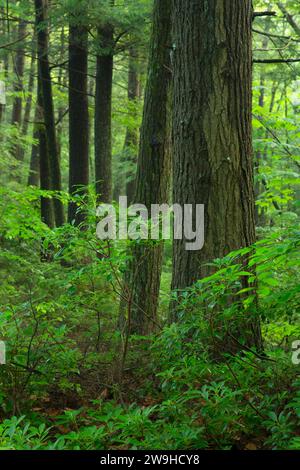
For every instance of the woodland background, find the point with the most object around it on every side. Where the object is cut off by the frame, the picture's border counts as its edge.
(135, 345)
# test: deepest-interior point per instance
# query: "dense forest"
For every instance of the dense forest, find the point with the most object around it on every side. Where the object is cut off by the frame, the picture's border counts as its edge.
(149, 225)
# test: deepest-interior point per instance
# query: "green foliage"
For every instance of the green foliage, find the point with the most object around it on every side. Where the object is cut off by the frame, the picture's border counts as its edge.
(186, 387)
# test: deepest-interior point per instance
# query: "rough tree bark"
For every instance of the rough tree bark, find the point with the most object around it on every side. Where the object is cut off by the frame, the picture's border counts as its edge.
(78, 117)
(212, 133)
(41, 7)
(103, 98)
(142, 282)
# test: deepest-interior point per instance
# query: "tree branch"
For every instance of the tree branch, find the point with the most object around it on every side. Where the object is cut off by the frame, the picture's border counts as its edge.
(4, 46)
(272, 35)
(289, 18)
(275, 61)
(264, 13)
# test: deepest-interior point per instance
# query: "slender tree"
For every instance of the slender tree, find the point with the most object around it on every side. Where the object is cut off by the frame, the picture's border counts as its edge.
(41, 7)
(20, 152)
(18, 64)
(78, 116)
(34, 166)
(132, 135)
(47, 212)
(103, 105)
(212, 134)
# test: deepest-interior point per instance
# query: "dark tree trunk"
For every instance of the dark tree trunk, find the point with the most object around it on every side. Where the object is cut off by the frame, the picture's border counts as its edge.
(132, 133)
(143, 280)
(103, 99)
(212, 131)
(78, 117)
(47, 212)
(34, 167)
(61, 82)
(46, 84)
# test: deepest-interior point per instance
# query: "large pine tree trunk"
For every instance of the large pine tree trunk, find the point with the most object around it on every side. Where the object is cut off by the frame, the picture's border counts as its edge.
(103, 105)
(143, 280)
(212, 132)
(41, 7)
(78, 117)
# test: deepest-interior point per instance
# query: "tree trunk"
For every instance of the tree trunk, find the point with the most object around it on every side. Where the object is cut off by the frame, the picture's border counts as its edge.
(78, 117)
(25, 124)
(47, 212)
(61, 81)
(103, 99)
(19, 72)
(41, 7)
(143, 280)
(212, 132)
(34, 167)
(132, 133)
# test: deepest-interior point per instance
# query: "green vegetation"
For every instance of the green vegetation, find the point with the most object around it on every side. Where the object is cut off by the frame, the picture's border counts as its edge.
(75, 378)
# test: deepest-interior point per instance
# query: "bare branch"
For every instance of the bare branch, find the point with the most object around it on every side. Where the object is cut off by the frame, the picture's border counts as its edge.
(275, 61)
(264, 13)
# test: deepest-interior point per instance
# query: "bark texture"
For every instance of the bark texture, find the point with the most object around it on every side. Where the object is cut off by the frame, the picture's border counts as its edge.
(212, 138)
(78, 117)
(47, 212)
(46, 85)
(152, 182)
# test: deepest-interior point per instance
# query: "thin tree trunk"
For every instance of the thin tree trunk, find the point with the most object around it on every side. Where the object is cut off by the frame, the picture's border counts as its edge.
(47, 212)
(132, 133)
(61, 81)
(78, 117)
(25, 124)
(142, 282)
(212, 132)
(103, 105)
(34, 167)
(41, 7)
(19, 61)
